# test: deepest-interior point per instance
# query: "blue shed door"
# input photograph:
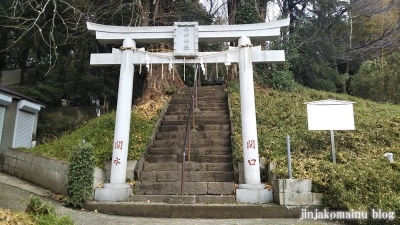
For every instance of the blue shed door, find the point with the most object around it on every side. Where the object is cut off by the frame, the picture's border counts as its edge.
(24, 130)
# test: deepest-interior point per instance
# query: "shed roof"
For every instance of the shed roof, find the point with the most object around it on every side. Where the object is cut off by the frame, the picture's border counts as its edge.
(17, 95)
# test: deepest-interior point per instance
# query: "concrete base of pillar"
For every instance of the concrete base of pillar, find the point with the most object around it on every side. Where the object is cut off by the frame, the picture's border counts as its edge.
(113, 193)
(253, 194)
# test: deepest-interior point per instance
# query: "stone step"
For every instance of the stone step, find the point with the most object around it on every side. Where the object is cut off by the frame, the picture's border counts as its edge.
(198, 122)
(193, 158)
(201, 113)
(193, 151)
(199, 127)
(190, 188)
(193, 134)
(174, 108)
(185, 199)
(188, 94)
(200, 104)
(189, 166)
(209, 171)
(219, 94)
(209, 103)
(205, 88)
(194, 142)
(190, 176)
(199, 99)
(199, 91)
(197, 117)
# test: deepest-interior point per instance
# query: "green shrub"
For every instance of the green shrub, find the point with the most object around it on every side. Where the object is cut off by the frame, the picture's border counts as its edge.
(247, 13)
(45, 214)
(171, 90)
(378, 80)
(48, 93)
(282, 78)
(80, 175)
(37, 207)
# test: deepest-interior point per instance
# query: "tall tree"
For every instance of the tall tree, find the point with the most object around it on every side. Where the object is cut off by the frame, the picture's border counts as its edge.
(379, 80)
(234, 5)
(52, 36)
(332, 38)
(165, 13)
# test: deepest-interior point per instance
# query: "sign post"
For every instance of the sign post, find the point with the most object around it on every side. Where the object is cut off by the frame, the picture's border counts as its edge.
(289, 157)
(333, 147)
(330, 115)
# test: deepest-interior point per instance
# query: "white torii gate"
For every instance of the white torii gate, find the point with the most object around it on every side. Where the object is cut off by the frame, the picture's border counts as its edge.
(186, 36)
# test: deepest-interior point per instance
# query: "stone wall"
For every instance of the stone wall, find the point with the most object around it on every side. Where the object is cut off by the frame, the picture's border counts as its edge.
(24, 76)
(43, 171)
(74, 115)
(50, 173)
(295, 192)
(288, 192)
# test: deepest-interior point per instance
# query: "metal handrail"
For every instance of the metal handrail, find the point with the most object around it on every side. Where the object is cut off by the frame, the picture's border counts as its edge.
(186, 145)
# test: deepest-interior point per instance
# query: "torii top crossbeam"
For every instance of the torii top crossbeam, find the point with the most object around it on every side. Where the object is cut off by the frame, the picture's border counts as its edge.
(186, 36)
(207, 33)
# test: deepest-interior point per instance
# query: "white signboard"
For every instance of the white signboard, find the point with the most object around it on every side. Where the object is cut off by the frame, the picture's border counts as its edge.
(186, 39)
(330, 115)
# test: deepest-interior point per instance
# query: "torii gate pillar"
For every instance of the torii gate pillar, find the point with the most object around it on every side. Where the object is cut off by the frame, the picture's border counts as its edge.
(118, 189)
(252, 191)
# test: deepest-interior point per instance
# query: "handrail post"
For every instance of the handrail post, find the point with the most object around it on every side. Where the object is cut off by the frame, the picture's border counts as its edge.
(183, 172)
(188, 146)
(196, 88)
(198, 78)
(187, 135)
(193, 124)
(195, 97)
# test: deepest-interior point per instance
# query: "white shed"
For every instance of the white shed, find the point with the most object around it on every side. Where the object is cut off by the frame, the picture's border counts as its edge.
(18, 119)
(5, 101)
(330, 115)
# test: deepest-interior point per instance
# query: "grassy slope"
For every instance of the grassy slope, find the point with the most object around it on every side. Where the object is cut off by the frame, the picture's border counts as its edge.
(100, 133)
(362, 179)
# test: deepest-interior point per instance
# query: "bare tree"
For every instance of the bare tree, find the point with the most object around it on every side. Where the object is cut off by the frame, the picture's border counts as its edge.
(39, 32)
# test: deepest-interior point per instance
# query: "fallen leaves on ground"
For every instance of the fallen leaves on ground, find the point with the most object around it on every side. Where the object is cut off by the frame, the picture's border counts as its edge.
(150, 109)
(14, 218)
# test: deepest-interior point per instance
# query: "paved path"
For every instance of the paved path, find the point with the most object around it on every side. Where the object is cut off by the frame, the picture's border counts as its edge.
(15, 192)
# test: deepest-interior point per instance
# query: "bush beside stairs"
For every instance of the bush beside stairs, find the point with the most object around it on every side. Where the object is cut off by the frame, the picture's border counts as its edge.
(209, 173)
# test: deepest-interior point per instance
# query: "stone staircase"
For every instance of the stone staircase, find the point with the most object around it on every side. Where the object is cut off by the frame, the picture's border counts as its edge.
(209, 173)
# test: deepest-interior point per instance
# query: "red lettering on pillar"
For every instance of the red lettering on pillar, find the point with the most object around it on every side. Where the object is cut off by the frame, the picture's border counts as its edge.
(251, 144)
(118, 145)
(252, 162)
(117, 161)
